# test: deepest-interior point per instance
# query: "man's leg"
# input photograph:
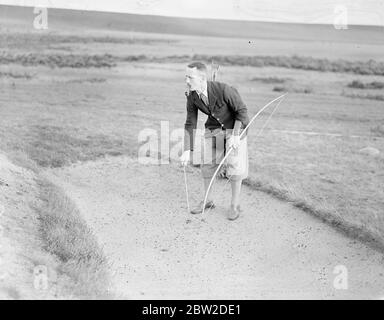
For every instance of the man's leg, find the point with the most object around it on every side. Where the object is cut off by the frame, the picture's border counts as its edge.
(215, 148)
(208, 167)
(209, 203)
(236, 191)
(209, 161)
(237, 170)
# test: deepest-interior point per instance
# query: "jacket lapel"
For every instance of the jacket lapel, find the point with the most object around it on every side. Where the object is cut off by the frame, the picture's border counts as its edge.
(211, 99)
(200, 104)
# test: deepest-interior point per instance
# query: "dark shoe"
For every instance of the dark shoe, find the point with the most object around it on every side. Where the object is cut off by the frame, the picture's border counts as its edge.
(234, 213)
(199, 208)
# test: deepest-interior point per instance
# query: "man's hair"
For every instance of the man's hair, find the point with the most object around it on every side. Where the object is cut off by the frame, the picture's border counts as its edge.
(199, 66)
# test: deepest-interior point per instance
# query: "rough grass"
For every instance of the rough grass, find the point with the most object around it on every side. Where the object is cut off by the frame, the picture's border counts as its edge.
(378, 130)
(357, 84)
(370, 67)
(66, 235)
(369, 96)
(270, 79)
(54, 147)
(13, 40)
(87, 80)
(15, 75)
(325, 176)
(359, 231)
(59, 60)
(295, 89)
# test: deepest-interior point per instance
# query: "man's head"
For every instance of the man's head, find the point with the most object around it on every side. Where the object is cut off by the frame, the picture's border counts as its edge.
(196, 76)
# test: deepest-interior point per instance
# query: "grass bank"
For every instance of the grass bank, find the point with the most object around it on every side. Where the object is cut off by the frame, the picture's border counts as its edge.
(44, 237)
(66, 236)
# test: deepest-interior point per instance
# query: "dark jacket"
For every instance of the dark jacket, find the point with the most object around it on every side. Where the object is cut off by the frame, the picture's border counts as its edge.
(225, 106)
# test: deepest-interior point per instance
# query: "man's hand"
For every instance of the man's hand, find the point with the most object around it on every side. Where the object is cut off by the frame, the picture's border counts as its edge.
(184, 159)
(234, 141)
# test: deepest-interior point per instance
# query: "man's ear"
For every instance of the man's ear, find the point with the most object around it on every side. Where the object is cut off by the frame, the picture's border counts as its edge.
(203, 75)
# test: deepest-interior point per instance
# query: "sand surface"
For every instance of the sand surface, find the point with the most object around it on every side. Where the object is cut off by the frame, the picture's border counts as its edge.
(159, 251)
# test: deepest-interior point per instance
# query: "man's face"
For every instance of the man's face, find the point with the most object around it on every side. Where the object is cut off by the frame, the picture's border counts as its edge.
(195, 79)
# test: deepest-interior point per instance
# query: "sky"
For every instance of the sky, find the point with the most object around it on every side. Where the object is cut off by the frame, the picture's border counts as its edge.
(363, 12)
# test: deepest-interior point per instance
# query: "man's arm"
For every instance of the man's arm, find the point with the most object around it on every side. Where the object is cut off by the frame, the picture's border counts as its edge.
(237, 127)
(190, 125)
(233, 99)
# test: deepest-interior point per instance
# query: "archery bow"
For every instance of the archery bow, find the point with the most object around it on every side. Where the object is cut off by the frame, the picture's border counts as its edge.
(231, 148)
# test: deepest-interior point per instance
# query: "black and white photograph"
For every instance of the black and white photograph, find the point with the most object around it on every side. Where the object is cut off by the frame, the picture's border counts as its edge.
(190, 150)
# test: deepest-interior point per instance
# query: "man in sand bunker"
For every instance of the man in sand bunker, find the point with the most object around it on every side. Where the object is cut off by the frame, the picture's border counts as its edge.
(227, 117)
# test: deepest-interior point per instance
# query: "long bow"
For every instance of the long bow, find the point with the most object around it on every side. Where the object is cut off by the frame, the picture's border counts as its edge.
(231, 148)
